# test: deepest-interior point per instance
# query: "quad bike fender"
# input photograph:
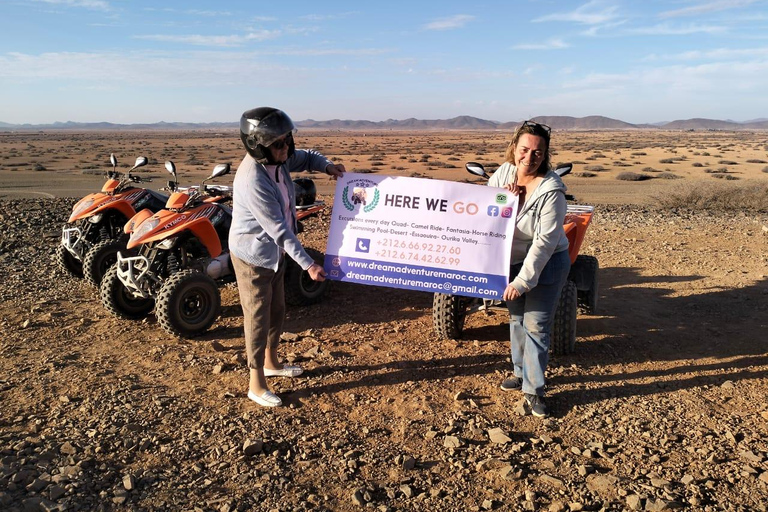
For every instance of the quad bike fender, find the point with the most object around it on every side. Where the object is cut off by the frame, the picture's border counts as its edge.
(86, 206)
(110, 186)
(121, 205)
(575, 225)
(137, 219)
(175, 224)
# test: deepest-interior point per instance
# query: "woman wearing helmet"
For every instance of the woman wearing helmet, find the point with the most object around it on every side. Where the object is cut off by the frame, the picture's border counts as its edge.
(263, 232)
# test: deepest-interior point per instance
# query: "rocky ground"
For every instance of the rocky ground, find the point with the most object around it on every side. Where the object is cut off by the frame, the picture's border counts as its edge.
(662, 406)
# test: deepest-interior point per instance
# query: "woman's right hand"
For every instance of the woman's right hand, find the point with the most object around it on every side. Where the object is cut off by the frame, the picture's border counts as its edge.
(513, 188)
(316, 272)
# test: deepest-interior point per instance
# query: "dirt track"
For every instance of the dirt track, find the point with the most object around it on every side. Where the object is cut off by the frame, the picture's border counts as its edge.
(662, 406)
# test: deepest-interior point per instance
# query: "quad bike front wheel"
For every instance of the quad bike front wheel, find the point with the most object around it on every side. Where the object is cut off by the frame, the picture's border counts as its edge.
(300, 289)
(68, 263)
(119, 301)
(99, 258)
(188, 303)
(563, 339)
(448, 315)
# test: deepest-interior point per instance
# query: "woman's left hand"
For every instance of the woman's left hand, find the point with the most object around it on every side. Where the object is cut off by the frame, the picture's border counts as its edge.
(510, 293)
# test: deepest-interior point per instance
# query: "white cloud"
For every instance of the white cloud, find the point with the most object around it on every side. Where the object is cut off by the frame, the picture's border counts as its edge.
(716, 54)
(86, 4)
(665, 29)
(595, 12)
(708, 7)
(552, 44)
(449, 23)
(220, 41)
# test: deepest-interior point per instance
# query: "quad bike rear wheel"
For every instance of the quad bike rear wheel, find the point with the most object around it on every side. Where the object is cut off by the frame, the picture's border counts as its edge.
(300, 289)
(448, 315)
(584, 272)
(99, 258)
(68, 263)
(563, 339)
(119, 301)
(188, 303)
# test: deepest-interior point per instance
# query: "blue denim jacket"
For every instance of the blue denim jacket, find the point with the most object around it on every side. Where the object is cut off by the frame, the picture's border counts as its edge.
(259, 227)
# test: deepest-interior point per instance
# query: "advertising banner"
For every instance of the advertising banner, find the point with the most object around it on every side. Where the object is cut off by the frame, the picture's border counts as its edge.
(421, 234)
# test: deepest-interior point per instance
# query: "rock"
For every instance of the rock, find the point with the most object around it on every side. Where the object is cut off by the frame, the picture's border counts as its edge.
(634, 502)
(407, 491)
(511, 473)
(357, 498)
(461, 395)
(605, 485)
(489, 464)
(557, 506)
(68, 449)
(218, 369)
(217, 347)
(498, 436)
(129, 482)
(409, 463)
(251, 448)
(488, 505)
(452, 442)
(289, 336)
(56, 492)
(551, 480)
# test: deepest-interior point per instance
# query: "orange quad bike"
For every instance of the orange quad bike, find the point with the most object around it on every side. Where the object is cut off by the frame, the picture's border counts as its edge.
(183, 258)
(579, 293)
(94, 232)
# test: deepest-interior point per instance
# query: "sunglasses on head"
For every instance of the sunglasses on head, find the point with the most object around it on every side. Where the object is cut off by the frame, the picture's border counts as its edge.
(536, 125)
(282, 143)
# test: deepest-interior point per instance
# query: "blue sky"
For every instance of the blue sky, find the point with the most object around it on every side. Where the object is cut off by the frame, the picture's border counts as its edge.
(137, 61)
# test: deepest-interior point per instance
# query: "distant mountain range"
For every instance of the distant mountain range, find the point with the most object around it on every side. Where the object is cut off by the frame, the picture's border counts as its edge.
(456, 123)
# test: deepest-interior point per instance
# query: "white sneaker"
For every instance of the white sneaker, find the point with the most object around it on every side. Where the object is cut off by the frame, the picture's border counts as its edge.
(267, 399)
(285, 371)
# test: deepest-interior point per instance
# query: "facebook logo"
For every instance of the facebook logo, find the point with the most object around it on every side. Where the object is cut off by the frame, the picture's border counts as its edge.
(506, 212)
(363, 245)
(493, 211)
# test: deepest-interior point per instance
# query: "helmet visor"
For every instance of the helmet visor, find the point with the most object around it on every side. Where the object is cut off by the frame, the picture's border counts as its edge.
(267, 129)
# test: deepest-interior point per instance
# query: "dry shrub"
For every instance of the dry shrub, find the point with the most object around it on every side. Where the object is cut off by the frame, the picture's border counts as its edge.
(765, 169)
(595, 168)
(728, 162)
(749, 197)
(726, 176)
(755, 161)
(584, 174)
(697, 164)
(633, 176)
(668, 176)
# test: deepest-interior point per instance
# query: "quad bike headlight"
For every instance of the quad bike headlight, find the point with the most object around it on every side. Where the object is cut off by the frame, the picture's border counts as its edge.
(144, 228)
(96, 218)
(81, 207)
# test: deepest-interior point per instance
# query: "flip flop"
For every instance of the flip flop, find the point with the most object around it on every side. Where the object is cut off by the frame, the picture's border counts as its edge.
(285, 371)
(267, 399)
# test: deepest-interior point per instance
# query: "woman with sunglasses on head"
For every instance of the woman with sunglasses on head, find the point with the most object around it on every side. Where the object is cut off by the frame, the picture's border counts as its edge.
(540, 262)
(263, 233)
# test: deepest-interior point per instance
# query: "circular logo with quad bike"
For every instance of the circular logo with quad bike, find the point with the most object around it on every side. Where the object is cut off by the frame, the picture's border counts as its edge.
(360, 194)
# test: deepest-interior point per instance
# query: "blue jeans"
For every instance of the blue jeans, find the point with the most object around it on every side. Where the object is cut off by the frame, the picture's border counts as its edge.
(530, 322)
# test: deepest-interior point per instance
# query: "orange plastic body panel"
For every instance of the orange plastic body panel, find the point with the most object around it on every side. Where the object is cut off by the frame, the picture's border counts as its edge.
(300, 214)
(137, 219)
(109, 186)
(122, 202)
(172, 223)
(576, 224)
(177, 200)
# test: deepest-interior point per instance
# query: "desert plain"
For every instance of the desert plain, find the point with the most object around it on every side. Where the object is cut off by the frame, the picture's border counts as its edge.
(661, 406)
